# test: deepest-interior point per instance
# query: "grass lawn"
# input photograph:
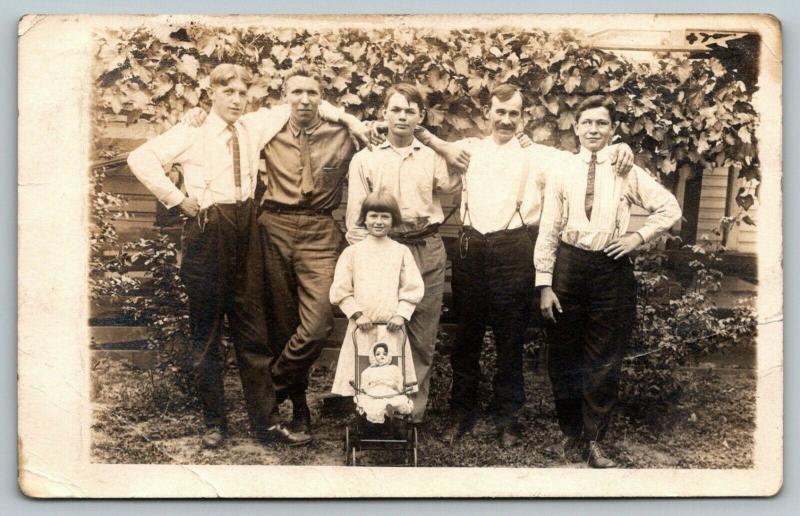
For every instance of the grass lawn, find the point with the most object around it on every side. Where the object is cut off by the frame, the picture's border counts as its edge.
(138, 418)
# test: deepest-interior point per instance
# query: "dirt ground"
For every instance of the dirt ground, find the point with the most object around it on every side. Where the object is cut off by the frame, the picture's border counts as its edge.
(711, 427)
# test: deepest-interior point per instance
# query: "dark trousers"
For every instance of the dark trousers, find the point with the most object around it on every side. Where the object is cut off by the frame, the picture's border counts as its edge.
(300, 255)
(586, 345)
(223, 273)
(492, 286)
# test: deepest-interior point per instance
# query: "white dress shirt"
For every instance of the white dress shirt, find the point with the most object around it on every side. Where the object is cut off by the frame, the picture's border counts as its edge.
(206, 157)
(492, 180)
(414, 175)
(564, 214)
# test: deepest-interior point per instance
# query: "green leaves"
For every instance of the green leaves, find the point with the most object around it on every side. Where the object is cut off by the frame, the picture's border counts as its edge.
(672, 112)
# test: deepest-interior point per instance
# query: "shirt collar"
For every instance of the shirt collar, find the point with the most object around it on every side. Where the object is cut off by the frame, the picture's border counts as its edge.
(296, 129)
(216, 125)
(586, 154)
(415, 144)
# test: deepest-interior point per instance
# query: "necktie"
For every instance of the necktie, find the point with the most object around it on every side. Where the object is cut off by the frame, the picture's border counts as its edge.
(590, 186)
(306, 179)
(237, 170)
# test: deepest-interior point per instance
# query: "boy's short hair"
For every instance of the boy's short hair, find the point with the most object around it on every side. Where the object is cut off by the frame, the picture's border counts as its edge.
(407, 90)
(224, 73)
(596, 101)
(304, 70)
(380, 201)
(377, 345)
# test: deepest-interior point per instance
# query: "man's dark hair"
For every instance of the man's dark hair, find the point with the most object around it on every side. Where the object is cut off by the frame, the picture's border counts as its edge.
(224, 73)
(380, 201)
(503, 92)
(596, 101)
(407, 90)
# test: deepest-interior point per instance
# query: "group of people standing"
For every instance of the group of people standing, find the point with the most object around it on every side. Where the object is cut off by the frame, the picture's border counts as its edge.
(261, 248)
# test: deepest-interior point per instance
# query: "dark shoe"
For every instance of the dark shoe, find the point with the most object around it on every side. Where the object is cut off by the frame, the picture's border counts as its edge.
(390, 411)
(301, 416)
(596, 458)
(461, 425)
(280, 434)
(213, 437)
(509, 435)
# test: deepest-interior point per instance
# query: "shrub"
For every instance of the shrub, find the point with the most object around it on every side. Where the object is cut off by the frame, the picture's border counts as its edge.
(153, 298)
(676, 323)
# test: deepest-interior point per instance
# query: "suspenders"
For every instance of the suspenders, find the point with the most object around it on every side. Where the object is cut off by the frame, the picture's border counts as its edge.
(523, 181)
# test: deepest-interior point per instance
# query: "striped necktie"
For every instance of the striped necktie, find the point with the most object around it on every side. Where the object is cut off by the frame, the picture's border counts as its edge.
(237, 167)
(590, 186)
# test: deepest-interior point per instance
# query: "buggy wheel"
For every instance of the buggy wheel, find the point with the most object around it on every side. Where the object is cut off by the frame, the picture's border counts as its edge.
(414, 447)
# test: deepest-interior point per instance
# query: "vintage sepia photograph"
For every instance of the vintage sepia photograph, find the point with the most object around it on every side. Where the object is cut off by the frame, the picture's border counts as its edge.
(466, 246)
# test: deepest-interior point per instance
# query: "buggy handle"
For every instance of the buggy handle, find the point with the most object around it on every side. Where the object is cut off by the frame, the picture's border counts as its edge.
(408, 390)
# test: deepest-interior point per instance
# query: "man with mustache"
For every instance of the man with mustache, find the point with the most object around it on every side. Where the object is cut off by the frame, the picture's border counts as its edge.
(493, 269)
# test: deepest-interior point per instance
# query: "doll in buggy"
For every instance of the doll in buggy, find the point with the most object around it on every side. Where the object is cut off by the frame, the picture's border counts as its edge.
(382, 390)
(377, 285)
(382, 381)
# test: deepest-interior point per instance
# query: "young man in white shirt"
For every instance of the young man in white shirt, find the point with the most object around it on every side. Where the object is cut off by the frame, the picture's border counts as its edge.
(584, 271)
(416, 176)
(222, 259)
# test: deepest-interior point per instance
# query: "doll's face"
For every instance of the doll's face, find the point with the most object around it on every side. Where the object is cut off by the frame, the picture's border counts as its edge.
(381, 356)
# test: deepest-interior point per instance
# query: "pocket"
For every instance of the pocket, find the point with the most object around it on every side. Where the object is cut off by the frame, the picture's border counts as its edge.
(329, 177)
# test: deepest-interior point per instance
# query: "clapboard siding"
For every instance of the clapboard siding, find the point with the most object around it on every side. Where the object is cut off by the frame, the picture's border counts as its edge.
(741, 238)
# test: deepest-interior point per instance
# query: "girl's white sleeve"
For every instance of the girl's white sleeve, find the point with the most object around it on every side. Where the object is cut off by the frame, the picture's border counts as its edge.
(342, 289)
(412, 287)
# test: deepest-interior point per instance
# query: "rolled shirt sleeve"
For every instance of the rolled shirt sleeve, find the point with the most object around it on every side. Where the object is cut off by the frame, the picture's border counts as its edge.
(148, 162)
(646, 192)
(550, 226)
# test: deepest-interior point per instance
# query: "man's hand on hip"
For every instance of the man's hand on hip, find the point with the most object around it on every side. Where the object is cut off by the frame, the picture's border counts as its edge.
(189, 206)
(623, 245)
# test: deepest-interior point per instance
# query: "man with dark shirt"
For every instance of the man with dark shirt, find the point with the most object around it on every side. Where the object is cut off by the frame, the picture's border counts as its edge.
(306, 165)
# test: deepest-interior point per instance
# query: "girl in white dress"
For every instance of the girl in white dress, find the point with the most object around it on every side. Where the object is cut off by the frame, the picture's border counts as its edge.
(376, 281)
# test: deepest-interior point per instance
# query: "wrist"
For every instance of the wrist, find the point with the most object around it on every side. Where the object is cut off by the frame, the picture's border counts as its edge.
(423, 135)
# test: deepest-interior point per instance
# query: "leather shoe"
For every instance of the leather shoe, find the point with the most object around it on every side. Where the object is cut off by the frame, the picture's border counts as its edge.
(596, 458)
(213, 437)
(280, 434)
